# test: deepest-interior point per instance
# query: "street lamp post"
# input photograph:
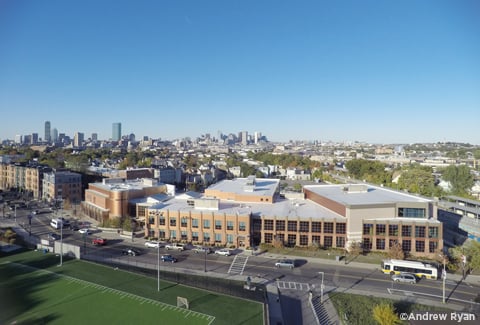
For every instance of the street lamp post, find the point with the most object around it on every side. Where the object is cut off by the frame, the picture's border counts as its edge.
(321, 287)
(444, 277)
(205, 261)
(61, 244)
(158, 266)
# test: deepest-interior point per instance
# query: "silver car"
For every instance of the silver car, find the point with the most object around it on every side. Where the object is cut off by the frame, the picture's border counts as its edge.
(405, 277)
(285, 263)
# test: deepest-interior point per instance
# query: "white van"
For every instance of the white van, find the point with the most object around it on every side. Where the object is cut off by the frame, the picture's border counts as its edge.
(56, 223)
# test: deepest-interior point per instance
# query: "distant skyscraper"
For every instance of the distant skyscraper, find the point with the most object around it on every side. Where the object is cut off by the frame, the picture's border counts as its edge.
(54, 135)
(34, 139)
(257, 136)
(244, 137)
(116, 131)
(94, 136)
(48, 137)
(78, 139)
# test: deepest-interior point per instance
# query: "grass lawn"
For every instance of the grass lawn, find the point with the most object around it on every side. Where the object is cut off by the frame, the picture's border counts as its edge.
(77, 292)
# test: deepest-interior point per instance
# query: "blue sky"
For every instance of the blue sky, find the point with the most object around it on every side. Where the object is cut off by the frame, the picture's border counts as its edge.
(376, 71)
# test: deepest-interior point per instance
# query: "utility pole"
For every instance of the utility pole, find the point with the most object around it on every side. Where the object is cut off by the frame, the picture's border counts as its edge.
(321, 287)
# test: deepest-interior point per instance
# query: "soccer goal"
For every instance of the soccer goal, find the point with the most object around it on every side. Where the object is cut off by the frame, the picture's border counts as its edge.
(182, 302)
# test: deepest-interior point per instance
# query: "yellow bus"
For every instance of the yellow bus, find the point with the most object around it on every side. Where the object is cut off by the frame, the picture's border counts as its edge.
(420, 269)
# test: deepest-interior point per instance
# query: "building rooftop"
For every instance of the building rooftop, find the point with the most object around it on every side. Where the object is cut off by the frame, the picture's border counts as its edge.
(247, 186)
(362, 194)
(111, 184)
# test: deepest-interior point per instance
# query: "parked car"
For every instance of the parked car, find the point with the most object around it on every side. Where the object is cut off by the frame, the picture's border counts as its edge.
(74, 226)
(53, 236)
(153, 244)
(285, 263)
(201, 249)
(175, 246)
(99, 241)
(131, 252)
(168, 258)
(65, 222)
(405, 277)
(86, 231)
(223, 251)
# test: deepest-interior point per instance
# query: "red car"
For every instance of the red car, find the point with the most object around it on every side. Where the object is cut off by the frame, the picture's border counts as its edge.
(99, 241)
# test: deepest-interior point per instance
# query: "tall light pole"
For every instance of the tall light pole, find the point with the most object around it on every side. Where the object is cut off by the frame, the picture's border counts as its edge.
(61, 243)
(205, 260)
(321, 287)
(444, 276)
(158, 266)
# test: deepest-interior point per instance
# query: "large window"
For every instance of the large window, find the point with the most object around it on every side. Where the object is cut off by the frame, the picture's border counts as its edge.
(242, 226)
(406, 231)
(419, 246)
(327, 241)
(432, 232)
(303, 240)
(183, 222)
(280, 225)
(206, 237)
(411, 212)
(184, 235)
(229, 225)
(341, 228)
(316, 226)
(229, 239)
(173, 222)
(380, 243)
(161, 234)
(292, 226)
(194, 223)
(206, 224)
(368, 229)
(195, 236)
(151, 220)
(304, 226)
(161, 221)
(268, 238)
(381, 230)
(432, 247)
(328, 227)
(367, 243)
(406, 245)
(316, 240)
(393, 230)
(218, 224)
(173, 234)
(292, 240)
(267, 224)
(340, 242)
(420, 231)
(218, 238)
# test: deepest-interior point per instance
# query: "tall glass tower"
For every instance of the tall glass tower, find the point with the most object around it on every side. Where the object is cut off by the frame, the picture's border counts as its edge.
(116, 131)
(48, 137)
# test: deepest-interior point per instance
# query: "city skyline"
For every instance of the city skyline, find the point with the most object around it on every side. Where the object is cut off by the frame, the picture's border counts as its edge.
(370, 71)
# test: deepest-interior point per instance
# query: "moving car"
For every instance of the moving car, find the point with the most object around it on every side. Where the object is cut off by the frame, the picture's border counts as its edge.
(223, 252)
(175, 246)
(99, 241)
(131, 252)
(201, 249)
(405, 277)
(153, 244)
(168, 258)
(285, 263)
(85, 231)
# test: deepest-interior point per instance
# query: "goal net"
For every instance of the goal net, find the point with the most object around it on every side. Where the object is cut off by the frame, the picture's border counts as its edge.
(182, 302)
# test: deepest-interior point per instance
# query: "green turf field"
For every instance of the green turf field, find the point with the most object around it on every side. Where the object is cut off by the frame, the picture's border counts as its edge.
(35, 290)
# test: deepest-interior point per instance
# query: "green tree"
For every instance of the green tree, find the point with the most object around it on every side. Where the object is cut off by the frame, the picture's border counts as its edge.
(384, 314)
(418, 179)
(460, 178)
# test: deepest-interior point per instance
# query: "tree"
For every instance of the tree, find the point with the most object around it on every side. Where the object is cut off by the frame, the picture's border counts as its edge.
(460, 178)
(396, 251)
(384, 314)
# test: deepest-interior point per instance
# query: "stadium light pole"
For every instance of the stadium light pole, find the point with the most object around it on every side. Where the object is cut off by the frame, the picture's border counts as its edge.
(321, 287)
(61, 244)
(444, 276)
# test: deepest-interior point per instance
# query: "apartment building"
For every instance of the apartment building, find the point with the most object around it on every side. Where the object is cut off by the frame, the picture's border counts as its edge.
(27, 177)
(62, 186)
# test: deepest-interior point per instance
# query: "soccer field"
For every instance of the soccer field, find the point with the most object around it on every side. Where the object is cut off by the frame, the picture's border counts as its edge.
(34, 290)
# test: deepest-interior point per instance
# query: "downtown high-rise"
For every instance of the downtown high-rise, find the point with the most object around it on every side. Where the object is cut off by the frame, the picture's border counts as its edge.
(116, 131)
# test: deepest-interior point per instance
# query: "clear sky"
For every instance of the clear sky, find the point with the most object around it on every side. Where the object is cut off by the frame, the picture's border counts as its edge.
(344, 70)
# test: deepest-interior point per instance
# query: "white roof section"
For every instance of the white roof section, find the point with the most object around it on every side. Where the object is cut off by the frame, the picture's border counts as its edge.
(282, 209)
(127, 185)
(261, 186)
(363, 195)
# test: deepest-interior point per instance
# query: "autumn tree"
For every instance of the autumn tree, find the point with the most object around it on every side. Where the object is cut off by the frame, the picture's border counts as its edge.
(384, 314)
(396, 251)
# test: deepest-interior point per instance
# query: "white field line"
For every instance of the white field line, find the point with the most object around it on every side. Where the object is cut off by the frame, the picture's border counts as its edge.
(122, 294)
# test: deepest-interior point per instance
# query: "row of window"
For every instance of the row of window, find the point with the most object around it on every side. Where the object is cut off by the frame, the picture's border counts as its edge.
(305, 226)
(183, 235)
(207, 224)
(406, 230)
(291, 239)
(406, 245)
